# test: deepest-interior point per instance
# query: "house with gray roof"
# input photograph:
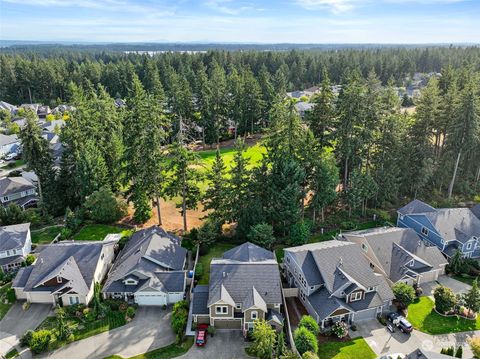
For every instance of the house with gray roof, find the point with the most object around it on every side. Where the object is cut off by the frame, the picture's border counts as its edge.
(15, 245)
(150, 270)
(65, 273)
(450, 229)
(244, 286)
(423, 354)
(399, 254)
(18, 190)
(8, 107)
(335, 282)
(9, 144)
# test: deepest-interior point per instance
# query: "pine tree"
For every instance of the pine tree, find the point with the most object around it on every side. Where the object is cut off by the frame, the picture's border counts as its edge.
(216, 196)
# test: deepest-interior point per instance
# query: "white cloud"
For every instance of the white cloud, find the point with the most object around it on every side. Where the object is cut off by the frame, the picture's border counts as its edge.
(335, 6)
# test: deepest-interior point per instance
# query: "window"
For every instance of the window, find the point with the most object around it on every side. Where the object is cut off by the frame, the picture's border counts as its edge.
(221, 310)
(412, 263)
(469, 245)
(74, 300)
(254, 315)
(288, 259)
(372, 265)
(103, 256)
(355, 296)
(370, 289)
(312, 287)
(5, 198)
(238, 306)
(364, 247)
(424, 231)
(59, 279)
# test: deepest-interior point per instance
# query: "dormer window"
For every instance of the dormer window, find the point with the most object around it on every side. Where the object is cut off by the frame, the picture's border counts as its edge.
(411, 263)
(355, 296)
(469, 245)
(59, 279)
(370, 289)
(364, 247)
(130, 281)
(424, 231)
(238, 306)
(254, 315)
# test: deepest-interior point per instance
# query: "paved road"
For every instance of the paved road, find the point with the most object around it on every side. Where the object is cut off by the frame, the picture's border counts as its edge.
(383, 342)
(17, 321)
(226, 344)
(149, 330)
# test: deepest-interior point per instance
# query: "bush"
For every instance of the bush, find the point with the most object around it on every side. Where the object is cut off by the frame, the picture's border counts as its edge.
(308, 322)
(199, 270)
(65, 233)
(26, 338)
(179, 317)
(130, 312)
(209, 232)
(404, 293)
(299, 233)
(305, 341)
(39, 341)
(340, 329)
(475, 346)
(29, 259)
(309, 355)
(445, 299)
(103, 207)
(261, 234)
(11, 297)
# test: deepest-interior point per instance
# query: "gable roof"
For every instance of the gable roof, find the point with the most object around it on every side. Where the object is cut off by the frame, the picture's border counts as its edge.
(147, 252)
(74, 261)
(248, 252)
(423, 354)
(395, 247)
(416, 206)
(200, 300)
(13, 236)
(254, 299)
(9, 185)
(8, 139)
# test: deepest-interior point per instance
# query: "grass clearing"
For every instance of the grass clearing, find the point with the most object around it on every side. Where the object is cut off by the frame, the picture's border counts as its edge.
(4, 307)
(46, 235)
(215, 251)
(97, 232)
(353, 349)
(424, 318)
(253, 153)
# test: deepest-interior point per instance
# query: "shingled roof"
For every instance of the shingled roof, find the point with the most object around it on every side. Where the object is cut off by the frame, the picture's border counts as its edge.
(248, 252)
(9, 185)
(416, 206)
(14, 236)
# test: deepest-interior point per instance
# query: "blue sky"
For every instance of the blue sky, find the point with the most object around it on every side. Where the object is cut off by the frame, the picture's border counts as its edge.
(269, 21)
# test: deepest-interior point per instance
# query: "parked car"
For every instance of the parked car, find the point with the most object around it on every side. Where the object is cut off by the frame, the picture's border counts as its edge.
(11, 156)
(400, 322)
(201, 337)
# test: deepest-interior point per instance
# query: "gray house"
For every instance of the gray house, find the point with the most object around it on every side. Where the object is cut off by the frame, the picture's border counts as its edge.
(15, 245)
(399, 254)
(8, 144)
(244, 286)
(423, 354)
(65, 273)
(335, 282)
(18, 190)
(450, 229)
(150, 270)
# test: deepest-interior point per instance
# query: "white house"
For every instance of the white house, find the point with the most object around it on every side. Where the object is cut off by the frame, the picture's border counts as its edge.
(15, 245)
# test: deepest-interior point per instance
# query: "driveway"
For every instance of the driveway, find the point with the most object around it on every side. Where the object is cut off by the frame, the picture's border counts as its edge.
(17, 321)
(455, 285)
(226, 344)
(383, 342)
(149, 330)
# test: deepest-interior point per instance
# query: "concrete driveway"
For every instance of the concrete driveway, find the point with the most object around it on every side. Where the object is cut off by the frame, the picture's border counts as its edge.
(150, 329)
(17, 321)
(383, 342)
(226, 344)
(455, 285)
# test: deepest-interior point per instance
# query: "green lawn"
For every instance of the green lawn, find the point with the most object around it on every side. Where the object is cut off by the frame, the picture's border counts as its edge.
(97, 232)
(170, 351)
(253, 153)
(46, 235)
(4, 307)
(214, 252)
(354, 349)
(424, 318)
(326, 236)
(15, 164)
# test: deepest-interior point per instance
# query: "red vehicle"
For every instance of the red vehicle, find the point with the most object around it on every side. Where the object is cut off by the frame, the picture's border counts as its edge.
(201, 339)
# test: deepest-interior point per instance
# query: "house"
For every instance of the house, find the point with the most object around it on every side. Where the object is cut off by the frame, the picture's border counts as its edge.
(15, 245)
(53, 126)
(8, 107)
(30, 107)
(450, 229)
(18, 190)
(63, 108)
(335, 282)
(8, 144)
(399, 254)
(150, 270)
(423, 354)
(303, 107)
(43, 111)
(65, 273)
(244, 286)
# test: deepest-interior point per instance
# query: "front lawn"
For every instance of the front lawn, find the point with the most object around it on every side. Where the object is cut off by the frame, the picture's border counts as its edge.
(46, 235)
(353, 349)
(215, 251)
(465, 278)
(97, 232)
(170, 351)
(3, 298)
(424, 318)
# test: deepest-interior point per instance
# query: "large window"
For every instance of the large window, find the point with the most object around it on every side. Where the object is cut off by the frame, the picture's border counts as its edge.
(425, 231)
(221, 309)
(74, 300)
(355, 296)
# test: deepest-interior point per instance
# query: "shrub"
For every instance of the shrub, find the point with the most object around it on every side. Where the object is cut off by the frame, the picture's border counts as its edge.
(264, 340)
(39, 341)
(130, 312)
(123, 307)
(29, 259)
(179, 317)
(445, 299)
(404, 293)
(299, 232)
(11, 297)
(65, 233)
(261, 234)
(309, 355)
(26, 338)
(308, 322)
(340, 329)
(209, 232)
(475, 346)
(199, 270)
(305, 341)
(104, 207)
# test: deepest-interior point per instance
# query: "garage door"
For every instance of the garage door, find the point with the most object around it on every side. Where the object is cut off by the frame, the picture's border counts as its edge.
(228, 324)
(39, 297)
(429, 277)
(365, 314)
(150, 299)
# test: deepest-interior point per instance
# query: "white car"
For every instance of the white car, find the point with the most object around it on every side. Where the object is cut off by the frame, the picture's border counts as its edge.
(11, 156)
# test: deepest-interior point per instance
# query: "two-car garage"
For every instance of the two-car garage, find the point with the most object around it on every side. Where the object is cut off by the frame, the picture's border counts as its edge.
(151, 298)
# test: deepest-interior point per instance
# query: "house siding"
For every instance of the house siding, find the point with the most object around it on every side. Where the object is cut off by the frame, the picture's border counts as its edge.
(248, 314)
(417, 222)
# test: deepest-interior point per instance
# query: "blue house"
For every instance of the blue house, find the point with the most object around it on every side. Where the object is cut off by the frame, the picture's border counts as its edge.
(450, 229)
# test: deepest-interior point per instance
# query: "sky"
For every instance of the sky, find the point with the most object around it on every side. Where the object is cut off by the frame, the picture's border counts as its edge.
(245, 21)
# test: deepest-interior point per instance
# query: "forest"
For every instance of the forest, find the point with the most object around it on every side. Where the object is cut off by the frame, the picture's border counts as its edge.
(354, 151)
